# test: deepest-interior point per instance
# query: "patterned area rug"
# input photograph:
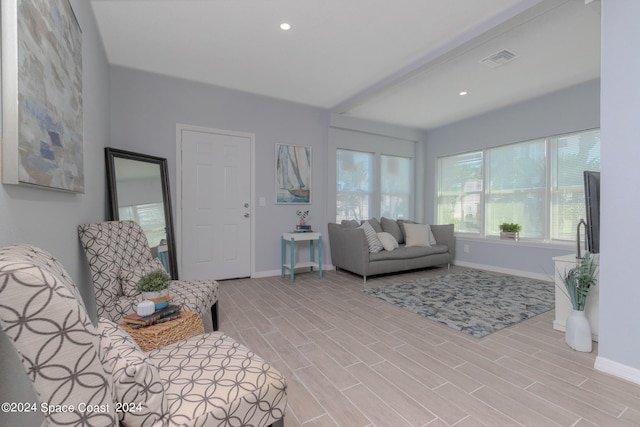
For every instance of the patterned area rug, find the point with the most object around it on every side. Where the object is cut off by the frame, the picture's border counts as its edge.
(475, 302)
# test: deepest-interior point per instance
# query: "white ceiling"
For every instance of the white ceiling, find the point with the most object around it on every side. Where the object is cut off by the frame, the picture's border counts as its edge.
(401, 62)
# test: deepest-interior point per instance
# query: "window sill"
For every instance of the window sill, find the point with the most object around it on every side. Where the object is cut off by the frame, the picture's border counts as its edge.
(531, 243)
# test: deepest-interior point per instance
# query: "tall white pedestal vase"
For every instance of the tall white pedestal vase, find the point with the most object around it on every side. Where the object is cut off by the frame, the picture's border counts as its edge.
(578, 331)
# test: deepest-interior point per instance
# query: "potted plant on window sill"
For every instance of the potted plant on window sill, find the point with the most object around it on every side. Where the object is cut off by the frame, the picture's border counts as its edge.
(154, 285)
(578, 281)
(510, 231)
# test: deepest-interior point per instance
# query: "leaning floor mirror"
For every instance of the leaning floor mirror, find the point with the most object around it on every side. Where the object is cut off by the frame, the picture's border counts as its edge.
(138, 187)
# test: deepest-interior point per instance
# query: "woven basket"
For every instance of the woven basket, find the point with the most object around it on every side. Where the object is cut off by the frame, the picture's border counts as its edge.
(151, 337)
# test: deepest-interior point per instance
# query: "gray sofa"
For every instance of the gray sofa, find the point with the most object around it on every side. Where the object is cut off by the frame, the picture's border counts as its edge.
(350, 249)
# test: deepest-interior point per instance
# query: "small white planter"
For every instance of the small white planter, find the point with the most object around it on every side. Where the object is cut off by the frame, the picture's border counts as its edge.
(158, 294)
(509, 235)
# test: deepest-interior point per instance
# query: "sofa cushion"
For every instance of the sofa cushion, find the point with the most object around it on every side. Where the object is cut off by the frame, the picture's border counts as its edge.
(372, 238)
(351, 223)
(401, 223)
(404, 252)
(129, 277)
(392, 227)
(417, 234)
(374, 223)
(136, 381)
(388, 241)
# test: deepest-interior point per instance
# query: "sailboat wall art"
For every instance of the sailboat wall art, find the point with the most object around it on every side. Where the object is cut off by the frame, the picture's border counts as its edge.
(293, 174)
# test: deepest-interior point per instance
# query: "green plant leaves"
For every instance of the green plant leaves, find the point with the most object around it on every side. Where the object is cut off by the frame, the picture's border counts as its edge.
(579, 280)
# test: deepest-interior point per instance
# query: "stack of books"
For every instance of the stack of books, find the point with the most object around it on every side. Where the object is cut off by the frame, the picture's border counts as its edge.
(303, 228)
(170, 312)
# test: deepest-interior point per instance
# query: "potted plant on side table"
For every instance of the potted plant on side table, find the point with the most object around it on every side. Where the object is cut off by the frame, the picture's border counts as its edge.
(510, 231)
(154, 285)
(578, 282)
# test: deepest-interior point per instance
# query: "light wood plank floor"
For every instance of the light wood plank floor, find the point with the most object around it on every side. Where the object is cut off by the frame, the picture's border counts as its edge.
(352, 360)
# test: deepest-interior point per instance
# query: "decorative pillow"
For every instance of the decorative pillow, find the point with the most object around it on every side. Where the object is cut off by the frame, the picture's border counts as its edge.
(401, 223)
(129, 278)
(136, 381)
(391, 226)
(351, 223)
(389, 242)
(416, 234)
(374, 223)
(372, 238)
(432, 238)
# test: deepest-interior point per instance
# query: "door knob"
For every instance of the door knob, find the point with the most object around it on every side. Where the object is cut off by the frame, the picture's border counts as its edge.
(246, 215)
(246, 205)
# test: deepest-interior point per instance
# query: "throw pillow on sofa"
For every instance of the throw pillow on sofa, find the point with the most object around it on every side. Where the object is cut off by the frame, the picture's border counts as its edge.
(389, 242)
(402, 222)
(392, 227)
(372, 238)
(417, 234)
(374, 223)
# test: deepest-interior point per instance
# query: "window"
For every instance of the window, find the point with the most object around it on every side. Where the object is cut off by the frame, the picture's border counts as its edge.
(516, 182)
(573, 154)
(365, 190)
(537, 184)
(354, 180)
(151, 219)
(460, 191)
(395, 186)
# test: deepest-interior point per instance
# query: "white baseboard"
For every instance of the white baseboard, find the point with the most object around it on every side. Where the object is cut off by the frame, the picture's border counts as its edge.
(617, 369)
(521, 273)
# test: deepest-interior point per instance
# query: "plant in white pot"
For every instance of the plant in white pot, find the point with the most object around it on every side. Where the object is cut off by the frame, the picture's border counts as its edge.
(154, 284)
(578, 282)
(510, 231)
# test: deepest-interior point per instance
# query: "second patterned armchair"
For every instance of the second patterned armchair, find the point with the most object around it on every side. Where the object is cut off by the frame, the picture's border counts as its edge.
(118, 254)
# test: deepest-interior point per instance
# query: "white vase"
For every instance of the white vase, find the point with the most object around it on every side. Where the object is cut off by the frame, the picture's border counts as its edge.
(578, 331)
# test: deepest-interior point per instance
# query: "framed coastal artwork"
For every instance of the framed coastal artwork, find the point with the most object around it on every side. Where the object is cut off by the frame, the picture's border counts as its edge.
(293, 174)
(42, 131)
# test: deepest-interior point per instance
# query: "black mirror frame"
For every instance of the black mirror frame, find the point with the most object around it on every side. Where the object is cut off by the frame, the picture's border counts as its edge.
(110, 155)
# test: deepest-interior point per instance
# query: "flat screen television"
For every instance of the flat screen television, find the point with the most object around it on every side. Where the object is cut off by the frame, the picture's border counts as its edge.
(592, 202)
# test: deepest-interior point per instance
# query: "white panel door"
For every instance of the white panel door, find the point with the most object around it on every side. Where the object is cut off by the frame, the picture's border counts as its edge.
(215, 204)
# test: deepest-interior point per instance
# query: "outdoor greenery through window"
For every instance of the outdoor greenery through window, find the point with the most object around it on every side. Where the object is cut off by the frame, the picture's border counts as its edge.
(537, 184)
(356, 178)
(395, 186)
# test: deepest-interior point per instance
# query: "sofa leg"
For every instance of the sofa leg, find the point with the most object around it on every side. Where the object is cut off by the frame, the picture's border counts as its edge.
(364, 279)
(214, 315)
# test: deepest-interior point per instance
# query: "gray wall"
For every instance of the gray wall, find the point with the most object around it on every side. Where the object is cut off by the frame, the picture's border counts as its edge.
(619, 330)
(48, 219)
(573, 109)
(146, 107)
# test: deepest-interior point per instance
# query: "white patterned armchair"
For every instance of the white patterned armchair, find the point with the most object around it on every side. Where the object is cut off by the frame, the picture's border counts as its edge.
(88, 376)
(119, 255)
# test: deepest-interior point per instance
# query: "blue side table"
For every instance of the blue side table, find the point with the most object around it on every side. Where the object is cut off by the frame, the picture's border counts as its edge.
(292, 238)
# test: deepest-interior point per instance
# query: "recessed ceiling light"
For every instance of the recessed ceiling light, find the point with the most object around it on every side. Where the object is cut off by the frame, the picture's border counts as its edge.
(285, 26)
(463, 93)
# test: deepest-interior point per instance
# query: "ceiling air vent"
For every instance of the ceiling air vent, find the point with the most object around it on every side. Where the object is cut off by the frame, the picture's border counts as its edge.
(499, 58)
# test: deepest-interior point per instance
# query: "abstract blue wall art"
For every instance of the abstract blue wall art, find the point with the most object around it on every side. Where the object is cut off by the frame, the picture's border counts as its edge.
(42, 95)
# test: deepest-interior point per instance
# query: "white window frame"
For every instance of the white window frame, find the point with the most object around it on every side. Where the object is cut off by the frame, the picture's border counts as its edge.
(548, 199)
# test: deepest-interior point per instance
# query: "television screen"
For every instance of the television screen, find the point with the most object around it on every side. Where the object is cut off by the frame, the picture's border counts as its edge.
(592, 202)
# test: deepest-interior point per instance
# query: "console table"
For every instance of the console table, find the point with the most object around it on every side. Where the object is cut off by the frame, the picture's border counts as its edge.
(563, 304)
(292, 238)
